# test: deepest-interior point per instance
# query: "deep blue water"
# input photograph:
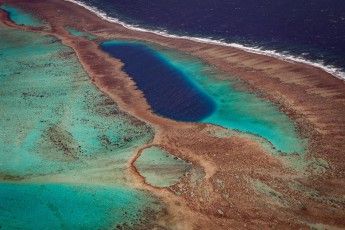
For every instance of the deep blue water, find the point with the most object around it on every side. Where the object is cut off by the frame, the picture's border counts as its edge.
(313, 30)
(181, 87)
(167, 89)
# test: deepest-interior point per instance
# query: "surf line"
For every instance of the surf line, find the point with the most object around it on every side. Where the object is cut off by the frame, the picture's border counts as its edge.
(336, 72)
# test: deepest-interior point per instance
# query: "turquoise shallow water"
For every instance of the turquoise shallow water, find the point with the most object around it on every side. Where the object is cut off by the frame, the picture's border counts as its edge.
(51, 114)
(21, 17)
(236, 107)
(78, 33)
(57, 131)
(52, 206)
(57, 126)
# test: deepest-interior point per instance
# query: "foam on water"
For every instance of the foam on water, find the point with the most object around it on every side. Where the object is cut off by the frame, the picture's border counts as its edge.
(337, 72)
(236, 108)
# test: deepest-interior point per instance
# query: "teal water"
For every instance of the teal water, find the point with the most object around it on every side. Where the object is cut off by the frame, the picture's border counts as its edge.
(238, 108)
(67, 144)
(51, 114)
(57, 131)
(160, 168)
(52, 206)
(21, 17)
(78, 33)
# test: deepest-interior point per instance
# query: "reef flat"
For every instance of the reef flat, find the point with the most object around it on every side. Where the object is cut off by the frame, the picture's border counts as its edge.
(51, 112)
(234, 181)
(207, 97)
(64, 144)
(159, 168)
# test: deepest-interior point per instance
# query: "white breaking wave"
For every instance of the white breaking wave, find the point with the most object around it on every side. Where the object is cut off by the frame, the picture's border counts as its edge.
(337, 72)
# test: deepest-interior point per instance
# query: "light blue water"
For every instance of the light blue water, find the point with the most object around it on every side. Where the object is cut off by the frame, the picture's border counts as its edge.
(57, 128)
(238, 108)
(57, 206)
(56, 125)
(233, 106)
(21, 17)
(52, 117)
(78, 33)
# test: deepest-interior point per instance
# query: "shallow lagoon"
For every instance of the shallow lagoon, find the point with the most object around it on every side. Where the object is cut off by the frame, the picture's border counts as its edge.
(230, 104)
(55, 122)
(64, 145)
(58, 206)
(78, 33)
(51, 113)
(21, 17)
(240, 109)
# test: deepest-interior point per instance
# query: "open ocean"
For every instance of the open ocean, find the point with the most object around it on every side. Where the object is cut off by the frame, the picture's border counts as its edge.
(306, 31)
